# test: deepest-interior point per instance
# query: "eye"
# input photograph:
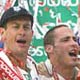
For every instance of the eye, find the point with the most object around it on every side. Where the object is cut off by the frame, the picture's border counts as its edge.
(26, 27)
(65, 39)
(75, 39)
(15, 26)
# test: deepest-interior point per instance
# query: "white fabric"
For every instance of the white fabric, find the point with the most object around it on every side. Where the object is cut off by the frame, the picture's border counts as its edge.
(4, 57)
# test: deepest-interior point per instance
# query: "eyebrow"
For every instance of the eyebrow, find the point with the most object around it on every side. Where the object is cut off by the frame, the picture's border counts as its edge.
(67, 37)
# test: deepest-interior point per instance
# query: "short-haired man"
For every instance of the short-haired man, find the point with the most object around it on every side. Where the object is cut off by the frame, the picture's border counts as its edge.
(62, 50)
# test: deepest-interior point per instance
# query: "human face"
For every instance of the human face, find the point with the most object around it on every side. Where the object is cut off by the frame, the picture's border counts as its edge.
(18, 35)
(65, 47)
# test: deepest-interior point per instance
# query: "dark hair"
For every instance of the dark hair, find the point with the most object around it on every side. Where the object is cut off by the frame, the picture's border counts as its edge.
(14, 12)
(50, 37)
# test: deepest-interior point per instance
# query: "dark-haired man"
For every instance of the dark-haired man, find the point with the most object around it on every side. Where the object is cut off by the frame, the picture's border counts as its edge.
(17, 23)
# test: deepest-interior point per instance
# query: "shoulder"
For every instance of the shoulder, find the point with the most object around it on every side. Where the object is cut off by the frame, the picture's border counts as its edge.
(2, 53)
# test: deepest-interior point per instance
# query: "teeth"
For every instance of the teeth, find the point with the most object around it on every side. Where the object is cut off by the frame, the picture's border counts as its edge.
(72, 54)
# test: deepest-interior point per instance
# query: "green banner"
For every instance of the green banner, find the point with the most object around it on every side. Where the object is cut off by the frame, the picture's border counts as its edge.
(47, 14)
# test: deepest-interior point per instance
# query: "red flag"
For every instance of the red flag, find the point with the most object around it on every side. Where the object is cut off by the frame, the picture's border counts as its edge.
(7, 4)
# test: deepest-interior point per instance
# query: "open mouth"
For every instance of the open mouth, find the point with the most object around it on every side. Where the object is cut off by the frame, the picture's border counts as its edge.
(72, 54)
(21, 41)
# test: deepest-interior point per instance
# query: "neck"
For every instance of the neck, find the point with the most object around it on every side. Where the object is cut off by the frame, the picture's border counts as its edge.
(18, 60)
(66, 73)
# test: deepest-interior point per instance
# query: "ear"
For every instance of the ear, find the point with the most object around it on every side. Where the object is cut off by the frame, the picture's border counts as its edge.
(2, 30)
(3, 35)
(49, 49)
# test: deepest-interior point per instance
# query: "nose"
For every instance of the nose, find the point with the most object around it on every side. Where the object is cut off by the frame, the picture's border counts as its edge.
(21, 31)
(74, 44)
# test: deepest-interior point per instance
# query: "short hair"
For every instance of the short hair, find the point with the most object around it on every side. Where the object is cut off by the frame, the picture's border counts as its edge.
(49, 37)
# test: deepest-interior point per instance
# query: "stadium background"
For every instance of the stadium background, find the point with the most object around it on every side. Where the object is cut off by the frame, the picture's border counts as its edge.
(47, 14)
